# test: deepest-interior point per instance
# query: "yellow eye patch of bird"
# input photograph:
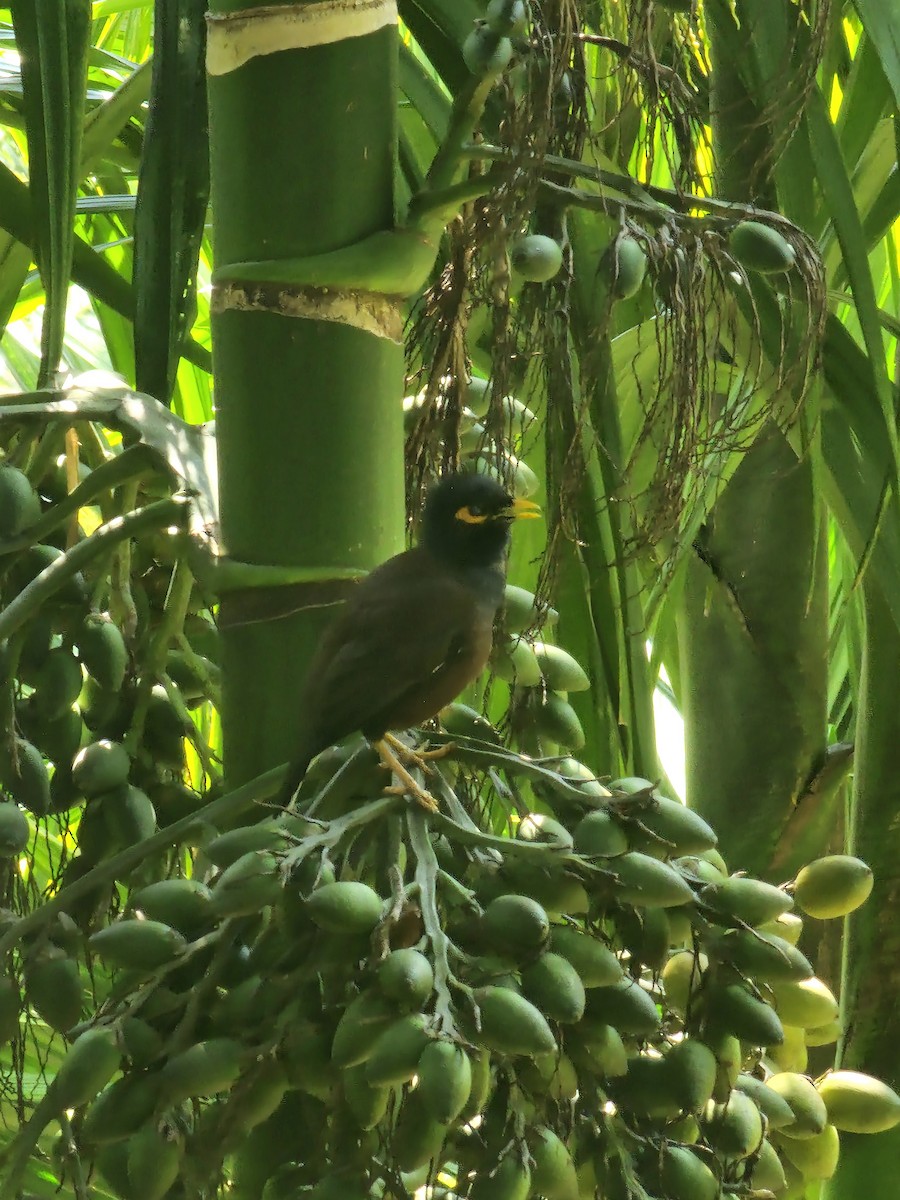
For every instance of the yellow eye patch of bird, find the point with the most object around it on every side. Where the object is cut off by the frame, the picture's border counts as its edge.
(470, 516)
(516, 511)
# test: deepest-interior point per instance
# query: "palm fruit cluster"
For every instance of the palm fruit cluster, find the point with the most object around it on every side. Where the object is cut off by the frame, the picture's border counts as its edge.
(101, 674)
(557, 990)
(569, 998)
(480, 447)
(98, 680)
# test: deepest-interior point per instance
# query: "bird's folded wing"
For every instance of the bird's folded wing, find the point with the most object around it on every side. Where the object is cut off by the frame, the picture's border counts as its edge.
(380, 652)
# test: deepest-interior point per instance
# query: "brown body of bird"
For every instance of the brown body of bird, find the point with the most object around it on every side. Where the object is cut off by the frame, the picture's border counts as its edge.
(416, 631)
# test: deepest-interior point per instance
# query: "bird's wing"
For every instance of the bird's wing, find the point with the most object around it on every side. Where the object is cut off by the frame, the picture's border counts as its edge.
(396, 639)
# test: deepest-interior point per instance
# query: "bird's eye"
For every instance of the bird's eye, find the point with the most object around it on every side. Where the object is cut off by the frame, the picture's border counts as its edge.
(472, 514)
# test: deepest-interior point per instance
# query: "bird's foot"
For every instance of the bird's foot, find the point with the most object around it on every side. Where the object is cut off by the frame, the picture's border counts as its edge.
(437, 752)
(408, 785)
(418, 758)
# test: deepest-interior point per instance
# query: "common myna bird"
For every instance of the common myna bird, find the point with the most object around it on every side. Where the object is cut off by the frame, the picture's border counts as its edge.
(415, 632)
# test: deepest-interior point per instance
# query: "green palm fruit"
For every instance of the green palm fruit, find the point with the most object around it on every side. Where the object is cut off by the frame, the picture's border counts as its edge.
(555, 718)
(792, 1054)
(763, 957)
(228, 847)
(20, 506)
(57, 684)
(858, 1103)
(185, 904)
(486, 53)
(810, 1115)
(647, 1088)
(129, 813)
(34, 561)
(535, 257)
(768, 1173)
(258, 1096)
(54, 990)
(397, 1051)
(87, 1068)
(692, 1071)
(522, 611)
(306, 1055)
(418, 1138)
(364, 1020)
(15, 832)
(508, 17)
(604, 1047)
(142, 945)
(515, 661)
(510, 1024)
(509, 1180)
(367, 1102)
(345, 907)
(445, 1080)
(761, 248)
(119, 1110)
(647, 882)
(816, 1158)
(165, 729)
(625, 1006)
(204, 1069)
(734, 1009)
(552, 1170)
(592, 959)
(734, 1129)
(679, 1174)
(480, 1060)
(627, 266)
(24, 776)
(748, 900)
(102, 651)
(682, 978)
(554, 986)
(250, 884)
(100, 767)
(538, 827)
(560, 670)
(599, 833)
(154, 1162)
(60, 738)
(459, 720)
(141, 1042)
(807, 1003)
(684, 830)
(833, 886)
(773, 1106)
(517, 925)
(406, 977)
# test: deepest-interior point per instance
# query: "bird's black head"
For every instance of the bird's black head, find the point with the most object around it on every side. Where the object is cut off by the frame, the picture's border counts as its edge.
(467, 519)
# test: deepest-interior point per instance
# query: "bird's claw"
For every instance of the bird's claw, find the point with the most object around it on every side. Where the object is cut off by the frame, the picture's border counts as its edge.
(420, 795)
(408, 785)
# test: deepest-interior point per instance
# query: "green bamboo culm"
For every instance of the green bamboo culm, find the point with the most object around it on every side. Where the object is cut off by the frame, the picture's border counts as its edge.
(308, 381)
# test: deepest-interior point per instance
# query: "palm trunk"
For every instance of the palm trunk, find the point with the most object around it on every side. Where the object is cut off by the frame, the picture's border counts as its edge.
(753, 632)
(871, 967)
(308, 380)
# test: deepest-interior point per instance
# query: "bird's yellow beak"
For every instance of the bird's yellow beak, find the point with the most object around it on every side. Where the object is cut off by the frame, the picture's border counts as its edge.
(523, 510)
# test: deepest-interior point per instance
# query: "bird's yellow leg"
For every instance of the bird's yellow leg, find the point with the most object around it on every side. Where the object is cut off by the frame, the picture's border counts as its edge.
(409, 784)
(419, 757)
